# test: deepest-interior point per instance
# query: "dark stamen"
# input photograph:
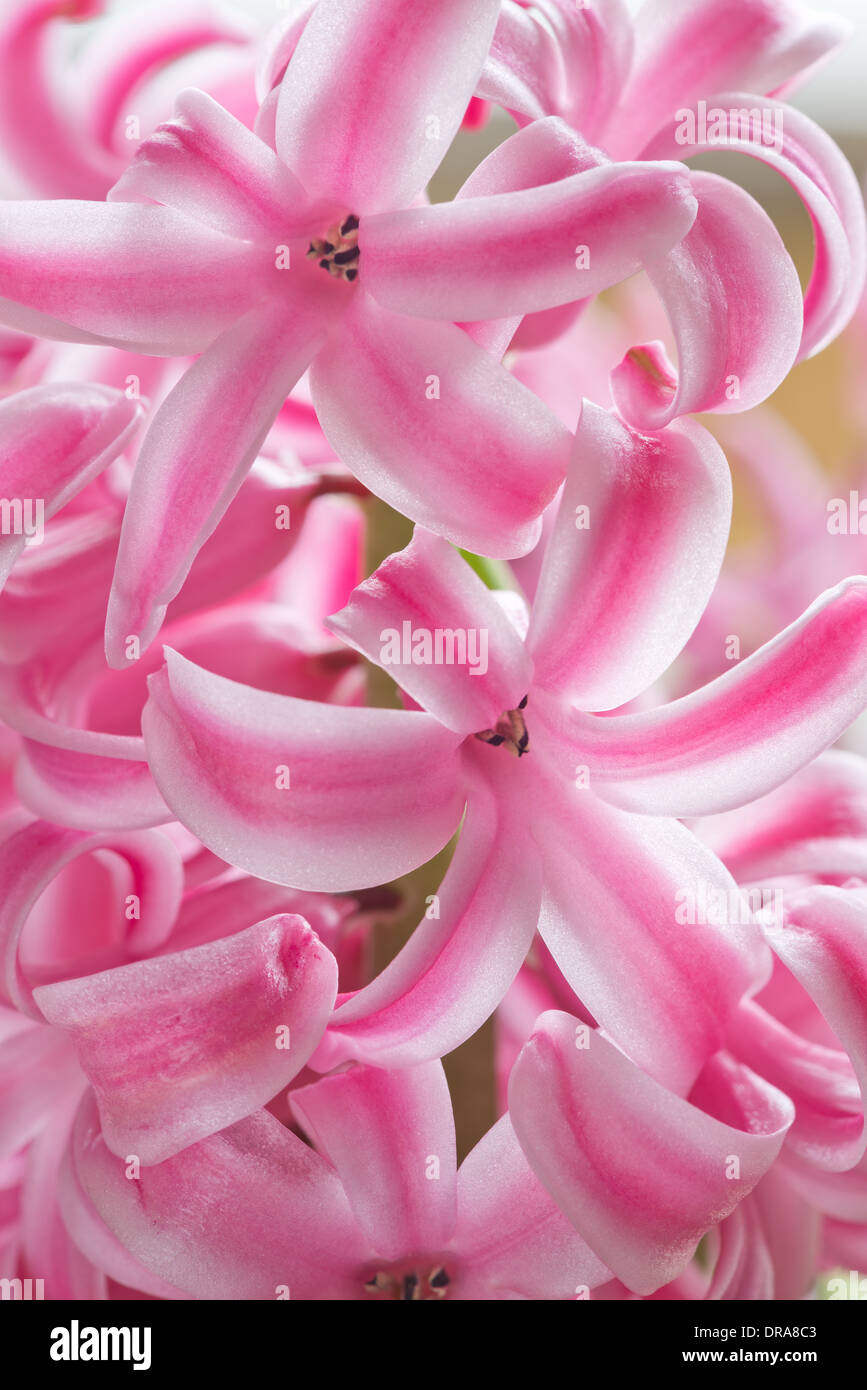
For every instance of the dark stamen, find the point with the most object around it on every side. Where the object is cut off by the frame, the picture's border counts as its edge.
(350, 225)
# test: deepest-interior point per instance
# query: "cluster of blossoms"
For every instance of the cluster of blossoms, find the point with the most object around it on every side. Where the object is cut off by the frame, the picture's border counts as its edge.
(241, 349)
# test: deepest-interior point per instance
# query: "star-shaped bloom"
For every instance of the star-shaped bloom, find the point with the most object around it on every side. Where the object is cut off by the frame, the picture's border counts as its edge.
(569, 807)
(373, 1209)
(272, 260)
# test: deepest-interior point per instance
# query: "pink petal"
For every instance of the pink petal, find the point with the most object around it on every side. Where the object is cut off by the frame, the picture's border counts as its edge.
(524, 66)
(824, 944)
(737, 320)
(460, 960)
(747, 731)
(81, 777)
(742, 1270)
(791, 1230)
(89, 1232)
(31, 857)
(829, 1122)
(37, 1069)
(544, 152)
(842, 1196)
(208, 165)
(247, 544)
(411, 63)
(196, 454)
(124, 51)
(286, 1223)
(371, 793)
(278, 45)
(619, 596)
(531, 249)
(641, 1173)
(88, 792)
(815, 823)
(54, 440)
(41, 136)
(225, 71)
(662, 953)
(146, 278)
(334, 526)
(845, 1245)
(476, 463)
(46, 1241)
(535, 49)
(219, 907)
(511, 1236)
(181, 1046)
(428, 588)
(381, 1130)
(821, 175)
(691, 49)
(48, 603)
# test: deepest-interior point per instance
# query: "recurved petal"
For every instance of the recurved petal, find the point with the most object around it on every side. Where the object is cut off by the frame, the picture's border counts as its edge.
(641, 1173)
(745, 732)
(824, 943)
(31, 858)
(691, 49)
(183, 1045)
(533, 248)
(815, 823)
(632, 559)
(54, 440)
(312, 795)
(811, 162)
(737, 319)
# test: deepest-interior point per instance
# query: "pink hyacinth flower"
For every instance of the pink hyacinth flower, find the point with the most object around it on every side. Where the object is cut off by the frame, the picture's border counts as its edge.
(374, 1210)
(215, 243)
(803, 1034)
(373, 793)
(683, 79)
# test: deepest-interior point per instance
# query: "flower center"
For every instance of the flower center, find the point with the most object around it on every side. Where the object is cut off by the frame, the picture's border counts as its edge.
(510, 731)
(408, 1285)
(338, 252)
